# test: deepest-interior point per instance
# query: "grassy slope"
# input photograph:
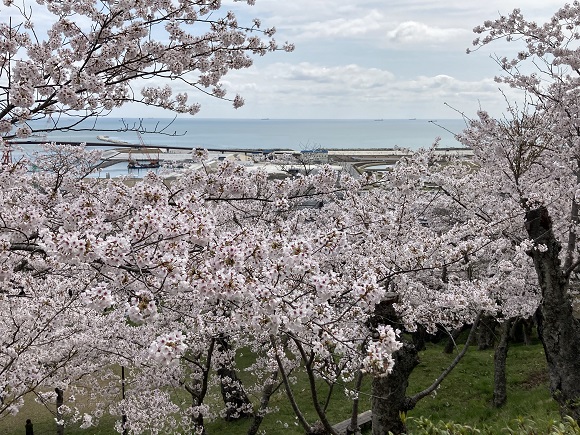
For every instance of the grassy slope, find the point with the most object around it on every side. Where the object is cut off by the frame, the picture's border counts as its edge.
(466, 394)
(464, 397)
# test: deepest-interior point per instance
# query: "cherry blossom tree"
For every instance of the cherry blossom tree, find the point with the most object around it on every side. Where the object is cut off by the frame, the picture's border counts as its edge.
(67, 62)
(226, 252)
(48, 330)
(222, 254)
(454, 267)
(531, 161)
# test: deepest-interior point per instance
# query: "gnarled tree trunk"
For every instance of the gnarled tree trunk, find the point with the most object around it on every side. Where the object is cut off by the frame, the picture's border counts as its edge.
(558, 330)
(59, 402)
(238, 405)
(486, 333)
(389, 397)
(389, 393)
(267, 392)
(499, 362)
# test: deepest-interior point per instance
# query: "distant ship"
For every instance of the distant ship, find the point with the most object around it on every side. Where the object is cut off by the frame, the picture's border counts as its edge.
(133, 164)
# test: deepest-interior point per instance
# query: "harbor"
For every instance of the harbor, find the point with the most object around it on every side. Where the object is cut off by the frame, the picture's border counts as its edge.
(278, 163)
(121, 158)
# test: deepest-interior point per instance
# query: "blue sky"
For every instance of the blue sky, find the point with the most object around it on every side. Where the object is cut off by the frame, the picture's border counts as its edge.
(370, 59)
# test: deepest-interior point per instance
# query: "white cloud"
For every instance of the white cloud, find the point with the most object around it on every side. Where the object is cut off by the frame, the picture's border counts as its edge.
(412, 32)
(343, 27)
(371, 59)
(312, 90)
(309, 90)
(400, 23)
(377, 28)
(356, 76)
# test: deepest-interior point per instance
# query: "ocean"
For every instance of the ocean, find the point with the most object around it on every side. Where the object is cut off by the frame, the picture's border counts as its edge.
(293, 134)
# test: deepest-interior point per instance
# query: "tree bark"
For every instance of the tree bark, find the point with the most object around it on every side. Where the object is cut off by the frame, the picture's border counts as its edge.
(389, 398)
(198, 389)
(486, 333)
(267, 392)
(450, 345)
(389, 393)
(558, 330)
(59, 402)
(499, 361)
(522, 331)
(238, 405)
(124, 415)
(197, 420)
(353, 426)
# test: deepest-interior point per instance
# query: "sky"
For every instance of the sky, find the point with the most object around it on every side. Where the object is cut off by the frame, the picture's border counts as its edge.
(371, 59)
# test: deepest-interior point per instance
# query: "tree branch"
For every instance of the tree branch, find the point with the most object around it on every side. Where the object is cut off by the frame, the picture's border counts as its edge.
(412, 401)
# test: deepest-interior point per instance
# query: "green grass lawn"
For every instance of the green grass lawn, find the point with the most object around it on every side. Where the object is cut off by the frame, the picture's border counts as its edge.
(464, 397)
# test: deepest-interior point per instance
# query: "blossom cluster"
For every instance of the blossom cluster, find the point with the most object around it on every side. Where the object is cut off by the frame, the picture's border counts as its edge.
(99, 298)
(90, 65)
(379, 359)
(168, 348)
(142, 307)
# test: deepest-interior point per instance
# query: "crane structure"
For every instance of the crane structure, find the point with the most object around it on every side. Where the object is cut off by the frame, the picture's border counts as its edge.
(150, 162)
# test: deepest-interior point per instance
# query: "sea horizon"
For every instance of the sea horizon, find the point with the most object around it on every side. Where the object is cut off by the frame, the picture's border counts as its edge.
(269, 133)
(193, 118)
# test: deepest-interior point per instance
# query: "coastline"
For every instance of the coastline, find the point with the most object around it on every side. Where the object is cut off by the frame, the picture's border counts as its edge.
(108, 139)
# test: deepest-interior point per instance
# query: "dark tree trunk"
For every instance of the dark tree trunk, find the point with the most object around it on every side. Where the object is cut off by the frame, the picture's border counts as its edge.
(522, 331)
(420, 338)
(450, 345)
(558, 330)
(389, 393)
(353, 426)
(499, 361)
(198, 389)
(267, 392)
(29, 428)
(124, 415)
(527, 329)
(235, 398)
(238, 405)
(59, 403)
(198, 425)
(486, 333)
(197, 420)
